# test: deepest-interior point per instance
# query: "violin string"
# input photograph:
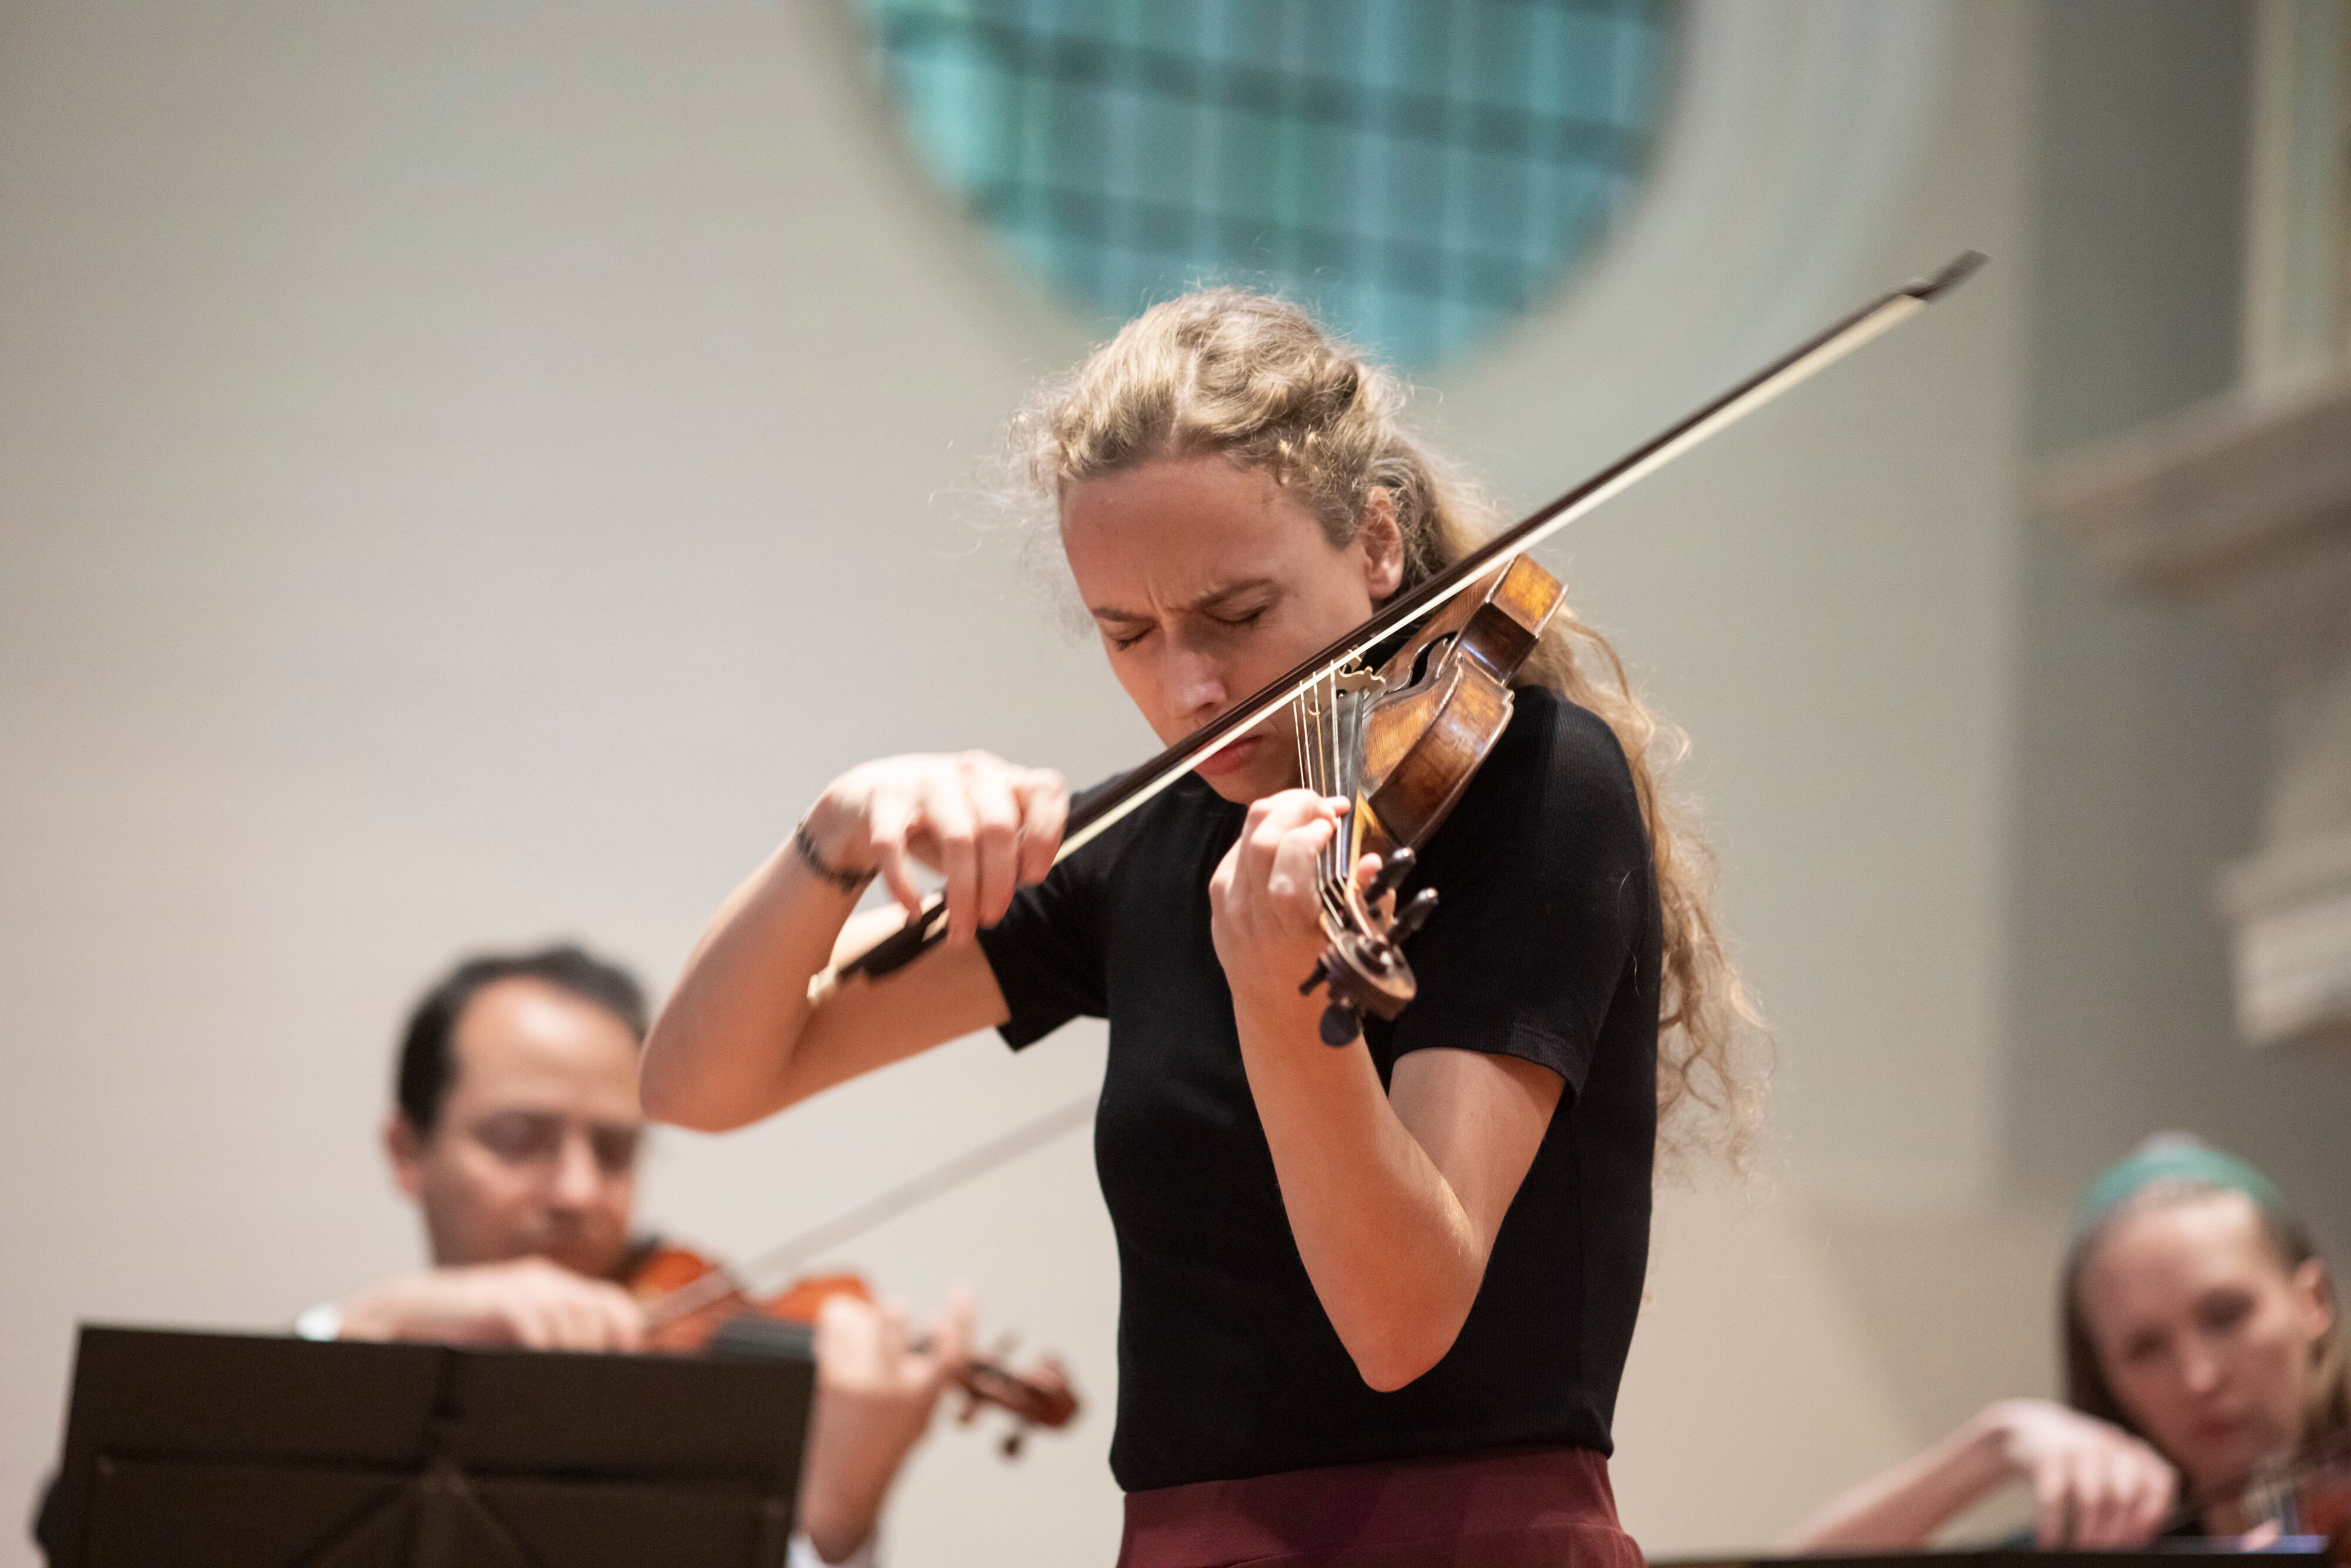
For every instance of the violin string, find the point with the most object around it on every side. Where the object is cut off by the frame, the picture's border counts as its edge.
(1305, 746)
(1336, 773)
(1346, 743)
(937, 1182)
(1327, 700)
(1351, 750)
(1314, 757)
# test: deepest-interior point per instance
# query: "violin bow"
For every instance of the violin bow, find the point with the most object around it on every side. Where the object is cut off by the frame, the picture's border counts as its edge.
(1135, 789)
(913, 1193)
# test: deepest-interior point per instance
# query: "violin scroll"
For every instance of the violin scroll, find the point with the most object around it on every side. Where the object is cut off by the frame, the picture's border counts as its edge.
(1040, 1397)
(1364, 966)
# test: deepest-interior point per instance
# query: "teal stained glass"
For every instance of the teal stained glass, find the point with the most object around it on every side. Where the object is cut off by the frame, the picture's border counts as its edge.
(1419, 171)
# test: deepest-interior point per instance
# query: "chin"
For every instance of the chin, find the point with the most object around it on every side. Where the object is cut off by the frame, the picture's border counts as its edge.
(1244, 784)
(2220, 1461)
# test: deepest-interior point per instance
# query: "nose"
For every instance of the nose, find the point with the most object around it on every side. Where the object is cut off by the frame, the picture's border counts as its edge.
(1195, 686)
(578, 1180)
(2200, 1369)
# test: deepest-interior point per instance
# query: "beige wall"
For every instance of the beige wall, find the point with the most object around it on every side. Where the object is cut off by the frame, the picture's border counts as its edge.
(469, 474)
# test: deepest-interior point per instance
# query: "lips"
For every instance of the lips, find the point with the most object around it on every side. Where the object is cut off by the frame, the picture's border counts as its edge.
(1236, 754)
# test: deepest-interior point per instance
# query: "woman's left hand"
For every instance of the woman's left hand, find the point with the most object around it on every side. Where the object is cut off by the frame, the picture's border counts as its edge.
(1265, 900)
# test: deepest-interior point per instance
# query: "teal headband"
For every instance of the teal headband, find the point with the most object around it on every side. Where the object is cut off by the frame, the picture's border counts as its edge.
(2172, 1157)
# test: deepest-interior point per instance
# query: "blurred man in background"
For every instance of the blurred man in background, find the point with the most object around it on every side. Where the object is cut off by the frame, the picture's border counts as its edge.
(516, 1133)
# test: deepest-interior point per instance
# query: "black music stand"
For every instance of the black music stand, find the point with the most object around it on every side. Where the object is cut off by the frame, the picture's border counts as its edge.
(2167, 1553)
(243, 1451)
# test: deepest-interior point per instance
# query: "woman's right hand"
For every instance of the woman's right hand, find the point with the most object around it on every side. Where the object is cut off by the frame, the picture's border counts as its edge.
(2094, 1485)
(987, 826)
(757, 1020)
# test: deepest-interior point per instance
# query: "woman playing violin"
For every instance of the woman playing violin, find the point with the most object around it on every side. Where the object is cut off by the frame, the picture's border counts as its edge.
(2202, 1354)
(1370, 1296)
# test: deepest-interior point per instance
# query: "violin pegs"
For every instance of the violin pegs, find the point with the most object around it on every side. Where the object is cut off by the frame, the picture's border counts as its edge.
(1341, 1024)
(1321, 972)
(1390, 874)
(1410, 918)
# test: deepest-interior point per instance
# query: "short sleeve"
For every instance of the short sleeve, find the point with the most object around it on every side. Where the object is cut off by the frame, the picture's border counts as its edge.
(1049, 951)
(1544, 890)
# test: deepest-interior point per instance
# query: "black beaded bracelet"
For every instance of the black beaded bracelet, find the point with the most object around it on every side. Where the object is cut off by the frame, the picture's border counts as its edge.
(847, 880)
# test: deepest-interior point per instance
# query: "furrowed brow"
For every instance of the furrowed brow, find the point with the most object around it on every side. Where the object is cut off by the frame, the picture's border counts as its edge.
(1223, 593)
(1229, 592)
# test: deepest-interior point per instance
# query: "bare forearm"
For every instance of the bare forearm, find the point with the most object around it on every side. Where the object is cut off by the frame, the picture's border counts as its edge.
(721, 1052)
(1394, 1257)
(742, 1035)
(846, 1481)
(1902, 1507)
(839, 1516)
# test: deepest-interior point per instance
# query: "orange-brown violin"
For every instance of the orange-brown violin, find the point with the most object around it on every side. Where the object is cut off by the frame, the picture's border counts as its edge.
(688, 1299)
(1400, 743)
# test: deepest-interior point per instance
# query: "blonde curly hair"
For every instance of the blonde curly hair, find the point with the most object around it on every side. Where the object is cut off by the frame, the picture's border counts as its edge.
(1255, 381)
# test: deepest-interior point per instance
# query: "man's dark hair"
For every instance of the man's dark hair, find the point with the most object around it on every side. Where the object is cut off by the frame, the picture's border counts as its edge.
(427, 1061)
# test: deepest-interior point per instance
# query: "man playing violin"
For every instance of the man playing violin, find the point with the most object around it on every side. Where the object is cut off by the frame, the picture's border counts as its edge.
(516, 1133)
(1376, 1290)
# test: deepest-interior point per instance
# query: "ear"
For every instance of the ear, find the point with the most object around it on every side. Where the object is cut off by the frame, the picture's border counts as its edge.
(404, 1145)
(1381, 539)
(2315, 1297)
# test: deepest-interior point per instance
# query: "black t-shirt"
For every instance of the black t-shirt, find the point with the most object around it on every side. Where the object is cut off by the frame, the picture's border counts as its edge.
(1544, 946)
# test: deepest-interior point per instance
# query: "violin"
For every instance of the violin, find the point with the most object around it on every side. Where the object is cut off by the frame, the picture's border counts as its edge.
(689, 1301)
(1425, 733)
(1400, 743)
(2304, 1493)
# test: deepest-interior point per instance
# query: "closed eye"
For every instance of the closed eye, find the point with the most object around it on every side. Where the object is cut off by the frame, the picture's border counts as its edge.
(2224, 1312)
(1129, 640)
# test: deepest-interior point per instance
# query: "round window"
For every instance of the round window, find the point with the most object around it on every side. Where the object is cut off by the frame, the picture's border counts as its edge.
(1419, 171)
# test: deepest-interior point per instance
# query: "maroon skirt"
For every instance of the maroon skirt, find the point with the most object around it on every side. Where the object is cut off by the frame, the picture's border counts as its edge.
(1521, 1507)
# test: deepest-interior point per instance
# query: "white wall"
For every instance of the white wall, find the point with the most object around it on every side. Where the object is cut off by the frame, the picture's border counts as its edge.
(470, 472)
(2143, 734)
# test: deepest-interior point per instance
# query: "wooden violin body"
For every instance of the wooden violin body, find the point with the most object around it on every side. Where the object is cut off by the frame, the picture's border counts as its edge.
(688, 1299)
(2308, 1493)
(1449, 702)
(1402, 744)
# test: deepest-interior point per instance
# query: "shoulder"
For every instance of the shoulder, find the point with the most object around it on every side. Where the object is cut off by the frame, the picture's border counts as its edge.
(1553, 802)
(1569, 733)
(1562, 757)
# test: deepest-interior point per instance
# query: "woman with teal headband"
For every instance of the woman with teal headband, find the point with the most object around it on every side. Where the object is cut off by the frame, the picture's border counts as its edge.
(2201, 1347)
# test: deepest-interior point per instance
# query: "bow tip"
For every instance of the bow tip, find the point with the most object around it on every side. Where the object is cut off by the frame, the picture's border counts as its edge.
(1956, 271)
